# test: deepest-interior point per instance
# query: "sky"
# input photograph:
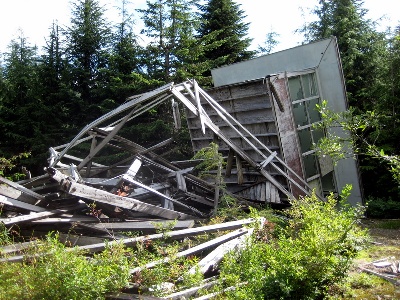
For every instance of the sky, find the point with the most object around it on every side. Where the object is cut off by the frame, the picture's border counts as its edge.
(34, 17)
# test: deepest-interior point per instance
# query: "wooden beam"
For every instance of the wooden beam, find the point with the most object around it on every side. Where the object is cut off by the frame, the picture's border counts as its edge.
(212, 260)
(105, 141)
(142, 225)
(38, 215)
(229, 162)
(191, 291)
(21, 188)
(19, 204)
(87, 192)
(201, 247)
(177, 234)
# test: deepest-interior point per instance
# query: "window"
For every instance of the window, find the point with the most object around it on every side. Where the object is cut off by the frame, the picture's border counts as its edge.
(304, 94)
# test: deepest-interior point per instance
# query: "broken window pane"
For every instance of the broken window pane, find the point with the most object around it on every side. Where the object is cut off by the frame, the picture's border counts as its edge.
(328, 183)
(295, 90)
(299, 114)
(310, 87)
(305, 140)
(312, 110)
(310, 165)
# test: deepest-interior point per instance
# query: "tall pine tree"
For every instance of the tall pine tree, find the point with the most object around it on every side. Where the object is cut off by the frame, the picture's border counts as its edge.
(364, 55)
(170, 27)
(360, 45)
(87, 40)
(126, 72)
(223, 21)
(22, 124)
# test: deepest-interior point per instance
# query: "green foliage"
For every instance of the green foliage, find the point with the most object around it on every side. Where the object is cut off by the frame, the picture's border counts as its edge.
(8, 164)
(211, 160)
(170, 25)
(164, 227)
(5, 238)
(359, 130)
(310, 254)
(54, 273)
(226, 18)
(174, 271)
(87, 39)
(270, 43)
(382, 208)
(361, 47)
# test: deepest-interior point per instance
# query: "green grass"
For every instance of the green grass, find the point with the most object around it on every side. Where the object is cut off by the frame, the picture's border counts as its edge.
(388, 224)
(363, 286)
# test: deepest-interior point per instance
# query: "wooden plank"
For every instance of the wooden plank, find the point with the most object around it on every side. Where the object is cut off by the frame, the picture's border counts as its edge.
(143, 225)
(90, 163)
(289, 140)
(263, 197)
(177, 234)
(87, 192)
(209, 244)
(17, 247)
(37, 215)
(199, 199)
(191, 291)
(126, 296)
(21, 188)
(229, 163)
(19, 204)
(239, 169)
(143, 186)
(212, 260)
(26, 218)
(68, 219)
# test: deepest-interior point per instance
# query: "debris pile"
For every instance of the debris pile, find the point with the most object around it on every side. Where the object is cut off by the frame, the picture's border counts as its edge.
(387, 268)
(103, 184)
(103, 177)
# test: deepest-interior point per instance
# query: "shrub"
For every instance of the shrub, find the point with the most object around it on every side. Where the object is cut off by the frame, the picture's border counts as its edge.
(383, 208)
(51, 272)
(313, 251)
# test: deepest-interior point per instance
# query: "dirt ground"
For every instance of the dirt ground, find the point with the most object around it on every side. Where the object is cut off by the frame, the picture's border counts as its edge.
(387, 237)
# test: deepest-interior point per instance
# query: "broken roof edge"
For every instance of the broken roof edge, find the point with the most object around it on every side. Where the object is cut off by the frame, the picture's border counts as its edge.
(289, 60)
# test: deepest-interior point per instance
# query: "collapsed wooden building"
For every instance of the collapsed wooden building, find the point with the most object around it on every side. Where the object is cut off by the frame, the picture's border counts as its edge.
(260, 113)
(143, 183)
(262, 125)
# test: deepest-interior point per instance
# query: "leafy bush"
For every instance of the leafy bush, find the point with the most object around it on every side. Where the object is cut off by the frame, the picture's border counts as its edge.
(383, 208)
(313, 251)
(51, 272)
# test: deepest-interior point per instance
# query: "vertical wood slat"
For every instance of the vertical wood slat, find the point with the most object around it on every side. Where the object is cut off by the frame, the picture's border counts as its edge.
(239, 170)
(288, 135)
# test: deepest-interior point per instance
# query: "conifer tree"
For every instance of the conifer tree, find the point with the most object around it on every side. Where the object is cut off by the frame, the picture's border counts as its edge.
(170, 26)
(364, 56)
(223, 20)
(360, 45)
(87, 40)
(55, 90)
(126, 75)
(21, 115)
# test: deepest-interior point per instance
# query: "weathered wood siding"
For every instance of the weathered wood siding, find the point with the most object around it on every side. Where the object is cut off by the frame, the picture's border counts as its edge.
(249, 103)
